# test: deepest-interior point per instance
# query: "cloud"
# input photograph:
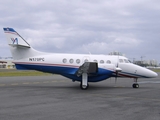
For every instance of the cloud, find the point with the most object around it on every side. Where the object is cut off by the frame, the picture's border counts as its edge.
(131, 27)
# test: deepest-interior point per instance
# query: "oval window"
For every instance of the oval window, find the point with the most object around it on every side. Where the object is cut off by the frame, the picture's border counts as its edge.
(71, 60)
(101, 61)
(95, 60)
(108, 62)
(78, 61)
(64, 60)
(86, 60)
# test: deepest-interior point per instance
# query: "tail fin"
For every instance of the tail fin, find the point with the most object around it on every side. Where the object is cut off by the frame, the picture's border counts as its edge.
(19, 47)
(14, 39)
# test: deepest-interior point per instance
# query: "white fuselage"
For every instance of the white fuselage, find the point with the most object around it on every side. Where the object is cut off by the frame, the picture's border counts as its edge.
(68, 63)
(78, 67)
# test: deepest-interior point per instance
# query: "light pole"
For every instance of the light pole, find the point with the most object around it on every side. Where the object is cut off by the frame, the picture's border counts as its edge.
(134, 60)
(141, 59)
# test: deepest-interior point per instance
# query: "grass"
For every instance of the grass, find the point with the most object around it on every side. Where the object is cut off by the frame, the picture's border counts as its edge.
(156, 70)
(10, 73)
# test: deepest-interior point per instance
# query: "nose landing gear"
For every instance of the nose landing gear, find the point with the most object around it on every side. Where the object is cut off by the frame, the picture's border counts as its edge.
(135, 85)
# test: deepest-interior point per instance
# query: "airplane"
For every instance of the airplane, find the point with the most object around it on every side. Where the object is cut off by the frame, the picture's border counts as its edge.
(83, 68)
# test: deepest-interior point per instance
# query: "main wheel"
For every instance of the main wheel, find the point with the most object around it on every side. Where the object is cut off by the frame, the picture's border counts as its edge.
(84, 87)
(135, 85)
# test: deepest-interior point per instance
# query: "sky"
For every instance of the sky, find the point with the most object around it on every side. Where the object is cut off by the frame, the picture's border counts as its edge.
(85, 26)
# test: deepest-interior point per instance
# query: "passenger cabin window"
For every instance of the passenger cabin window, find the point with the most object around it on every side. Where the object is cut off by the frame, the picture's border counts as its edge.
(101, 61)
(108, 62)
(71, 60)
(86, 60)
(64, 60)
(95, 61)
(78, 61)
(121, 60)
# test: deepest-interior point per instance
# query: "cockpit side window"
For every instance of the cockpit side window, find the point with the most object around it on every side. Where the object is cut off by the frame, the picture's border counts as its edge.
(121, 60)
(126, 61)
(129, 61)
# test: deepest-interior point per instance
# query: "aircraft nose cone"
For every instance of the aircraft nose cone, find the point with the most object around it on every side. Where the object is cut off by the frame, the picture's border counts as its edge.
(152, 74)
(155, 74)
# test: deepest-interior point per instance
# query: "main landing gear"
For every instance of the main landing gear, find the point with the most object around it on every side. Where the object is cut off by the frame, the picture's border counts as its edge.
(84, 83)
(84, 87)
(135, 85)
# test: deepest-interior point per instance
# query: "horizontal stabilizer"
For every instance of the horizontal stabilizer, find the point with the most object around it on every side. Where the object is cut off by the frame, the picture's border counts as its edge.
(19, 46)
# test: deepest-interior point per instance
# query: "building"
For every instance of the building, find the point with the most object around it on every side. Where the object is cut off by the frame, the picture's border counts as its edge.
(116, 53)
(146, 63)
(6, 63)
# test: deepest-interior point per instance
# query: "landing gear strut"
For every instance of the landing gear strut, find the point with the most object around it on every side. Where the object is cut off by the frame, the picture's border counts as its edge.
(84, 83)
(135, 85)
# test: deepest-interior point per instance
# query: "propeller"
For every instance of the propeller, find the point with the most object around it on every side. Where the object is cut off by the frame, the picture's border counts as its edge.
(116, 73)
(117, 70)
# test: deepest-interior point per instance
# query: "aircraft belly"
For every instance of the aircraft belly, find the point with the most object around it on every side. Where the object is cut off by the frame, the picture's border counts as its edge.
(101, 75)
(46, 68)
(68, 72)
(90, 79)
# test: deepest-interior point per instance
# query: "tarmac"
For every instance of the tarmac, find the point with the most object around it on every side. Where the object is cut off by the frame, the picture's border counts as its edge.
(58, 98)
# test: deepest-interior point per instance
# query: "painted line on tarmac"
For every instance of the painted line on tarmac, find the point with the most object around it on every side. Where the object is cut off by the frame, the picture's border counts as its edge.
(30, 83)
(14, 84)
(126, 97)
(154, 82)
(46, 82)
(119, 86)
(35, 82)
(26, 83)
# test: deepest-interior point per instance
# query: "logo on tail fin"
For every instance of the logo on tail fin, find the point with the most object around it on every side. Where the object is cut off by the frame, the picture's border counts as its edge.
(15, 41)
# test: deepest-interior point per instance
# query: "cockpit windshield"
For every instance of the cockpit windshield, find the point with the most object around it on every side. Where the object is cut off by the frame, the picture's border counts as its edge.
(124, 61)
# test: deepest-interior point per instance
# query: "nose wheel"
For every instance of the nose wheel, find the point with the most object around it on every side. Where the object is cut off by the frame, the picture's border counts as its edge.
(135, 85)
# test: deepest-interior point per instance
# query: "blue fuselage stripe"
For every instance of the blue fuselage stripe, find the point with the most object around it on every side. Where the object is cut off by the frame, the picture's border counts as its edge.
(69, 71)
(66, 71)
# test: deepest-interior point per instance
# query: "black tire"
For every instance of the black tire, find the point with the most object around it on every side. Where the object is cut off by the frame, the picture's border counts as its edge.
(84, 87)
(135, 85)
